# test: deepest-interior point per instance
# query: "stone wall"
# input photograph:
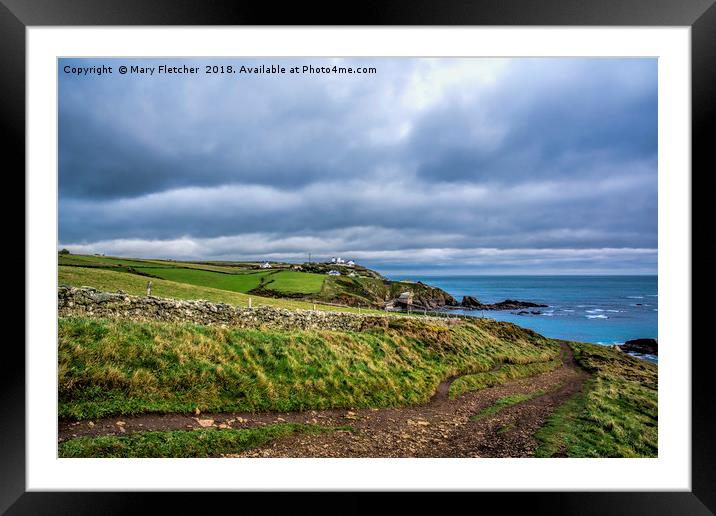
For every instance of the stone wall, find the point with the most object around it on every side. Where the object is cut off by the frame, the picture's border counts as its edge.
(86, 301)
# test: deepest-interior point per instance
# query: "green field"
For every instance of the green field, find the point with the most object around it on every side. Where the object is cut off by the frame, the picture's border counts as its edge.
(101, 261)
(291, 282)
(233, 282)
(202, 266)
(112, 280)
(230, 278)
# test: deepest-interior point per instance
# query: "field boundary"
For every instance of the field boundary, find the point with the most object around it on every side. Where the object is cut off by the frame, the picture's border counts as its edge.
(90, 302)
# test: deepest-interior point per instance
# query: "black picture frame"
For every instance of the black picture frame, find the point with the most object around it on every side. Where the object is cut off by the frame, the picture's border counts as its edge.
(17, 15)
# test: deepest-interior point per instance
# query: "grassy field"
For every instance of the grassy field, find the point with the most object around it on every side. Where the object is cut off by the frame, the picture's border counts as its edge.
(183, 444)
(100, 261)
(615, 416)
(228, 269)
(117, 367)
(291, 282)
(111, 281)
(242, 282)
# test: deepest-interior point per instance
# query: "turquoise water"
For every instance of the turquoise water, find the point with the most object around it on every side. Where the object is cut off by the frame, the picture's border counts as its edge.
(597, 309)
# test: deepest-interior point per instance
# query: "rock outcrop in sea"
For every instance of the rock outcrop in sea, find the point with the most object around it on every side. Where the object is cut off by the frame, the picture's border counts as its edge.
(641, 346)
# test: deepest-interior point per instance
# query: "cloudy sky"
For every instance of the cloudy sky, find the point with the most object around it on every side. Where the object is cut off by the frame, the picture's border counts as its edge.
(525, 166)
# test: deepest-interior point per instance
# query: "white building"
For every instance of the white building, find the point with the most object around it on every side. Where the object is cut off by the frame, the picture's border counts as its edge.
(334, 273)
(266, 265)
(350, 263)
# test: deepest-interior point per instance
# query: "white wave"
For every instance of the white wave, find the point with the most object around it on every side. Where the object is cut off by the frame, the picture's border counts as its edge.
(635, 297)
(601, 316)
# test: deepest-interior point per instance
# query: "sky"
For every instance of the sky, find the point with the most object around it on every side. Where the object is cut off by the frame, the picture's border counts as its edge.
(447, 166)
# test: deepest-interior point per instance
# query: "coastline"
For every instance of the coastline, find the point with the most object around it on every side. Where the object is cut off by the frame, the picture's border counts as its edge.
(604, 310)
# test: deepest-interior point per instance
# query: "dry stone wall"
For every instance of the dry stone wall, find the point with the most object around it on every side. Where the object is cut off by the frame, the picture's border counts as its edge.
(86, 301)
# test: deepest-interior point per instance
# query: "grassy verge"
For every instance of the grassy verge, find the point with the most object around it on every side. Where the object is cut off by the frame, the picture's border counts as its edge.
(505, 402)
(477, 381)
(111, 281)
(196, 443)
(122, 367)
(615, 416)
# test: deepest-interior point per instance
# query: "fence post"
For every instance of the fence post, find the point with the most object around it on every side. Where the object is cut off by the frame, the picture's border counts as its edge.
(249, 302)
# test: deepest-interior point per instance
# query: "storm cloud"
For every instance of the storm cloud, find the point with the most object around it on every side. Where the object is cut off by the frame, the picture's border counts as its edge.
(462, 165)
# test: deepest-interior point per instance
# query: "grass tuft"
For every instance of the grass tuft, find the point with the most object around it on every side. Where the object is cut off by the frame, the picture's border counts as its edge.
(505, 402)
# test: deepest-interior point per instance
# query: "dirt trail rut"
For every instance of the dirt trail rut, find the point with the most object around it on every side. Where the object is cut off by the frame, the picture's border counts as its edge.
(441, 428)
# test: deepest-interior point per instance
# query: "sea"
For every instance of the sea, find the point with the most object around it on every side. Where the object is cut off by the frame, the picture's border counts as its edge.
(603, 310)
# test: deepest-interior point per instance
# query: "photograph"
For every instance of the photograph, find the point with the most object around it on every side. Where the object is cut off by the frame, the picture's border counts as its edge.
(402, 257)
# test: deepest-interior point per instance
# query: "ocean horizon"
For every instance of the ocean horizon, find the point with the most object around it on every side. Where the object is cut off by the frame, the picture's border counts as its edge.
(598, 309)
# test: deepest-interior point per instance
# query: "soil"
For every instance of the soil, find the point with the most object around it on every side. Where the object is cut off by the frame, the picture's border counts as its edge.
(440, 428)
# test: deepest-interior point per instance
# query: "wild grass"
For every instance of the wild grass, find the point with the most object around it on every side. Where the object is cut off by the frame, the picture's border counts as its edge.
(197, 443)
(121, 367)
(616, 415)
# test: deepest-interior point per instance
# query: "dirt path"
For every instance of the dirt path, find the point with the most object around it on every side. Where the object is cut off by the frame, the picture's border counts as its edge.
(440, 428)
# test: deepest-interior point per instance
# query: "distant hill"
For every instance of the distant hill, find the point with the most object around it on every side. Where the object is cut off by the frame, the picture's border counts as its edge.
(353, 286)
